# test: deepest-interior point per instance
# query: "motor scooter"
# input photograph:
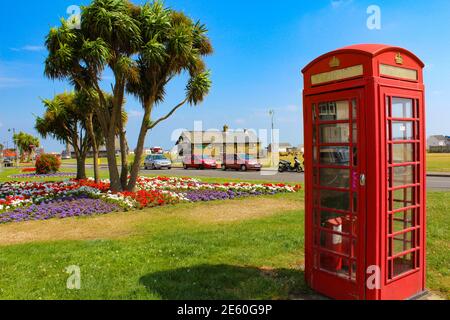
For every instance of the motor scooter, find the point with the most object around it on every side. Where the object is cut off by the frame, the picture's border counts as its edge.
(286, 166)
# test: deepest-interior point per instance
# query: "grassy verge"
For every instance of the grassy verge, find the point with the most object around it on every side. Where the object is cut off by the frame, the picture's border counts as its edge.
(240, 249)
(169, 254)
(438, 162)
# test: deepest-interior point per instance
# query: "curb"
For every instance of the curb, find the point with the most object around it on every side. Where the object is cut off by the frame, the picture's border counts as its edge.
(438, 175)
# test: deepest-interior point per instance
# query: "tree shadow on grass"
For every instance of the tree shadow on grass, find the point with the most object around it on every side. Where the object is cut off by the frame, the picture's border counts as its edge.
(226, 282)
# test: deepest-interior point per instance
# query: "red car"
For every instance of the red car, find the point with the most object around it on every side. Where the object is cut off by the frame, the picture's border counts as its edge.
(198, 162)
(241, 162)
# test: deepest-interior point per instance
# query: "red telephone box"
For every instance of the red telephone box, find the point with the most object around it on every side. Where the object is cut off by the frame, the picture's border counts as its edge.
(365, 150)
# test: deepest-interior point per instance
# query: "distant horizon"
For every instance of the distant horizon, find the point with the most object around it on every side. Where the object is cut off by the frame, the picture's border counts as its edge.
(259, 52)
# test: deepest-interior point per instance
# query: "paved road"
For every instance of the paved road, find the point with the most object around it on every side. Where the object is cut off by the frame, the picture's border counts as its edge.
(273, 176)
(433, 183)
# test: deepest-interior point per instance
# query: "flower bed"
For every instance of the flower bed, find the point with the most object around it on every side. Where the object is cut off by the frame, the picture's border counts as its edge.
(22, 201)
(60, 208)
(40, 176)
(211, 195)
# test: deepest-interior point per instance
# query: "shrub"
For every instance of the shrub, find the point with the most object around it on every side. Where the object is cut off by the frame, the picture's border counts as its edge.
(47, 163)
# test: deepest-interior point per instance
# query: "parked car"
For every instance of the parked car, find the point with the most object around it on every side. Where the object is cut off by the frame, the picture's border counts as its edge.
(157, 162)
(199, 162)
(65, 155)
(8, 162)
(241, 162)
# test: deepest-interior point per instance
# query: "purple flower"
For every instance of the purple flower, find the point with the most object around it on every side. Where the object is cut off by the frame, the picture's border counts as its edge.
(61, 208)
(49, 175)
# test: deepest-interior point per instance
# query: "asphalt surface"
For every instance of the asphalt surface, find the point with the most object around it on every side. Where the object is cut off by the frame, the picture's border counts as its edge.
(433, 182)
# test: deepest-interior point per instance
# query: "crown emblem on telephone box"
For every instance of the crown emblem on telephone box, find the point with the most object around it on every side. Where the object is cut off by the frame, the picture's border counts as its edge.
(335, 62)
(399, 58)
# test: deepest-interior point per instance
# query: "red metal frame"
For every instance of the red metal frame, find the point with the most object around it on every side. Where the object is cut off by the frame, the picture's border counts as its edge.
(379, 211)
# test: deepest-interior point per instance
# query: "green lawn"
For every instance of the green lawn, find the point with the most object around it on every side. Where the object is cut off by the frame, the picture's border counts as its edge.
(167, 256)
(191, 251)
(438, 162)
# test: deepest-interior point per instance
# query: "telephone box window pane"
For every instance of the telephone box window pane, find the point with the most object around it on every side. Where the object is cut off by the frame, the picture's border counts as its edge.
(403, 198)
(402, 108)
(403, 176)
(337, 156)
(402, 130)
(334, 264)
(403, 242)
(402, 221)
(331, 111)
(335, 133)
(335, 200)
(355, 109)
(335, 178)
(403, 153)
(336, 243)
(403, 264)
(333, 221)
(314, 113)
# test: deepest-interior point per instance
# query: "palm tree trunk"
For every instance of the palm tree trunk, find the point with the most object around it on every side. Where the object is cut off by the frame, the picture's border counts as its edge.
(124, 157)
(108, 124)
(135, 169)
(96, 165)
(81, 163)
(112, 163)
(81, 167)
(93, 140)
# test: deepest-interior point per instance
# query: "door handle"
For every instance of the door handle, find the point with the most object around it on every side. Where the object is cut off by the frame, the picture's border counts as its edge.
(362, 180)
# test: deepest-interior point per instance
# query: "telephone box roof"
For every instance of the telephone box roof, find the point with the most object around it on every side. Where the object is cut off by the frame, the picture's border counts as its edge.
(371, 50)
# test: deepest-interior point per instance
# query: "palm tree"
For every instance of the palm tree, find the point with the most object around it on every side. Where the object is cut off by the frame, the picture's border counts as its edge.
(64, 120)
(26, 144)
(113, 32)
(87, 103)
(172, 44)
(108, 37)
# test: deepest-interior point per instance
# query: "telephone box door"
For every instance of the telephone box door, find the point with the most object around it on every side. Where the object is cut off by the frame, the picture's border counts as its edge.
(403, 224)
(337, 179)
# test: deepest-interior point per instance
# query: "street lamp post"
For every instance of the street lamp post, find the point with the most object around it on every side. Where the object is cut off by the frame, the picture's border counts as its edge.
(272, 116)
(15, 145)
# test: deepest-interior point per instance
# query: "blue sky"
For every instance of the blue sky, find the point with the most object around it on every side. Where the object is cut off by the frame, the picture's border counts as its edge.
(260, 48)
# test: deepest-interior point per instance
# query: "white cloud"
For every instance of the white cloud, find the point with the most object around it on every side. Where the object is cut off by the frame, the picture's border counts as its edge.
(6, 82)
(292, 108)
(339, 3)
(135, 113)
(30, 48)
(240, 121)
